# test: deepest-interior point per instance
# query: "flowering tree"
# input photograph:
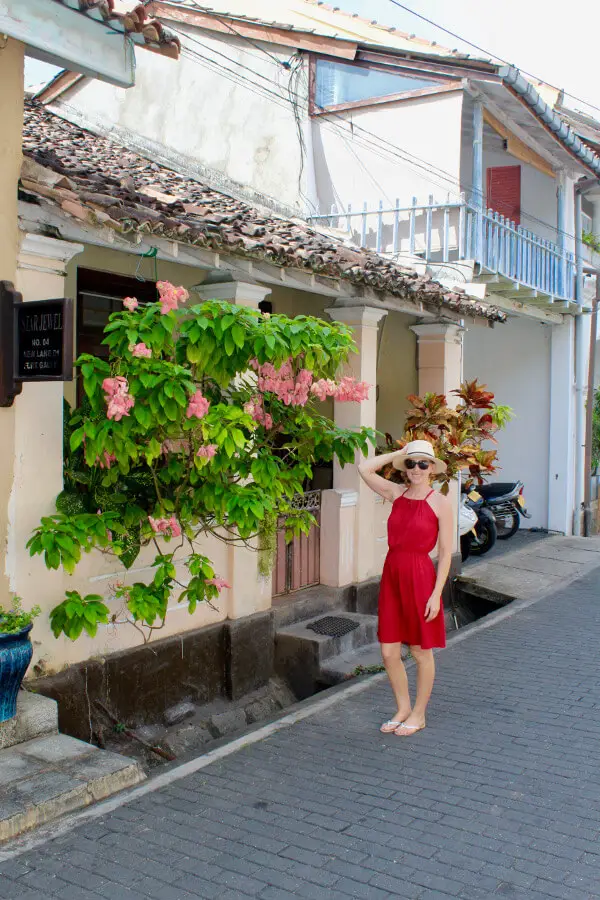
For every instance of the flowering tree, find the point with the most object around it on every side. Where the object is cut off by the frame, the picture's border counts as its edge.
(457, 434)
(204, 421)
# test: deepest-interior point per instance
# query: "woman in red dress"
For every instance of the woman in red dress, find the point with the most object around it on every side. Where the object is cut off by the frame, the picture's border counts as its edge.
(410, 594)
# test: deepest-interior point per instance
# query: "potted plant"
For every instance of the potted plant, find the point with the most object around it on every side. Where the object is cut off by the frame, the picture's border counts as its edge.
(15, 653)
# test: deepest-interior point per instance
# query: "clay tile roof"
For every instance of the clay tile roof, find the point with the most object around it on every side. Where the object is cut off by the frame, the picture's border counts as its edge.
(131, 18)
(106, 184)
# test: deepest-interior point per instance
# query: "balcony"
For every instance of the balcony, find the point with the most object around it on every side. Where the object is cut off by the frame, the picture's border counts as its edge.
(479, 246)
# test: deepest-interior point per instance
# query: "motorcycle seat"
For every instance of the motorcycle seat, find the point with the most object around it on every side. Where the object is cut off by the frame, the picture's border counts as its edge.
(498, 489)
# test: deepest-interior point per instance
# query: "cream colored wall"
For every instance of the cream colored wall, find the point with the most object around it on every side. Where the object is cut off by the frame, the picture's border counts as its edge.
(396, 372)
(105, 260)
(11, 116)
(396, 379)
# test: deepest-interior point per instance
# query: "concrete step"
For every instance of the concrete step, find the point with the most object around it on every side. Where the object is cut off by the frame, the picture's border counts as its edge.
(362, 661)
(49, 776)
(36, 715)
(300, 653)
(367, 659)
(309, 603)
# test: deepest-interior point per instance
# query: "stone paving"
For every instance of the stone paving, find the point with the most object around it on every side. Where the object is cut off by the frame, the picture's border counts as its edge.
(498, 797)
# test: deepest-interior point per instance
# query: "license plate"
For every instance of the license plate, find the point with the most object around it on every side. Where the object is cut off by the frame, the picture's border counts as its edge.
(521, 501)
(474, 495)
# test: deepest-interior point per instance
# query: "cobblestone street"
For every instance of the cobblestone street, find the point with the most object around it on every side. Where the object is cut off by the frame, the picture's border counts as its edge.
(499, 796)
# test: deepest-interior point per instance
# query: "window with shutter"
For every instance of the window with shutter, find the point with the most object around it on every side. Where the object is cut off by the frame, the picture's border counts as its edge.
(504, 191)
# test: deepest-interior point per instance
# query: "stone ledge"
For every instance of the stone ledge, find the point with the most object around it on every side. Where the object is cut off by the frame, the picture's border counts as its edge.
(36, 715)
(45, 778)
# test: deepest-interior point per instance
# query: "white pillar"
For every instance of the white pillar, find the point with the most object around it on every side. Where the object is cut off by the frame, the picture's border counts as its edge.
(439, 361)
(561, 439)
(38, 450)
(242, 293)
(477, 176)
(348, 514)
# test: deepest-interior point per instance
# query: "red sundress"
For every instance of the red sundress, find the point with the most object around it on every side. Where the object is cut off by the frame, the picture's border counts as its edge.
(409, 577)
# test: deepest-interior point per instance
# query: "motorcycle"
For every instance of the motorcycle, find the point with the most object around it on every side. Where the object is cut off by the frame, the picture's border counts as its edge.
(481, 536)
(506, 502)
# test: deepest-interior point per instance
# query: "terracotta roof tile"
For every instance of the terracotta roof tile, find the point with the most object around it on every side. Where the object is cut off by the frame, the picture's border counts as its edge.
(92, 178)
(131, 18)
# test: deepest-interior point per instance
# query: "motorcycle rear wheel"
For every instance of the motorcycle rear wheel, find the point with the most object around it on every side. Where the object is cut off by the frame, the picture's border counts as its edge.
(485, 535)
(466, 541)
(507, 524)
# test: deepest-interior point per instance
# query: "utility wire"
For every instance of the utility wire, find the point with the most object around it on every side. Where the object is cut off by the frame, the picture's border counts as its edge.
(374, 143)
(487, 52)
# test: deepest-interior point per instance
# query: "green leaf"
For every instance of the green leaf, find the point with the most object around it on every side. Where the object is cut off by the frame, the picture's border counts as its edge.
(238, 335)
(77, 437)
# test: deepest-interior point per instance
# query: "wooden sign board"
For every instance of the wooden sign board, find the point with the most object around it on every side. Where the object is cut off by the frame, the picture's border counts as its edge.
(36, 341)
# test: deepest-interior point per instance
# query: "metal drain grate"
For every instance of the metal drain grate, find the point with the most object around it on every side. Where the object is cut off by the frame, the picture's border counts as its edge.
(333, 626)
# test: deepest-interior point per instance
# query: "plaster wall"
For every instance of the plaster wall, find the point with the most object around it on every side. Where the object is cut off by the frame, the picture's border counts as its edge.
(11, 116)
(514, 361)
(352, 167)
(229, 126)
(538, 194)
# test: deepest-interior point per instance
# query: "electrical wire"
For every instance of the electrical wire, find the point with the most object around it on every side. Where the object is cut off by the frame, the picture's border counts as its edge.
(380, 147)
(487, 52)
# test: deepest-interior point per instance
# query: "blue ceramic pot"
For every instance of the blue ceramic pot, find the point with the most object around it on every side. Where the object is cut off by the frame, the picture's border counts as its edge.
(15, 655)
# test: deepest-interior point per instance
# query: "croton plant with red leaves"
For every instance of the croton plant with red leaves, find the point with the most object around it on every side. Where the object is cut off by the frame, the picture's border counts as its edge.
(458, 433)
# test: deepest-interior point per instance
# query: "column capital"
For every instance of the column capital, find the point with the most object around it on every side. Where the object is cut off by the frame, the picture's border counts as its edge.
(356, 316)
(243, 293)
(40, 253)
(438, 333)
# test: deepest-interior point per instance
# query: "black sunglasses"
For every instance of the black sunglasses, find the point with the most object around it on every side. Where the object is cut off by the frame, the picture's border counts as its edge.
(421, 463)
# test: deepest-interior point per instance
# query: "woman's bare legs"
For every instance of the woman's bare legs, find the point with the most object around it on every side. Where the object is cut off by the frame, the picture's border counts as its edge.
(425, 678)
(392, 660)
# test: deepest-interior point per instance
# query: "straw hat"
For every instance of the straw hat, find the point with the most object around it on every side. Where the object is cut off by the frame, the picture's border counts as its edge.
(419, 450)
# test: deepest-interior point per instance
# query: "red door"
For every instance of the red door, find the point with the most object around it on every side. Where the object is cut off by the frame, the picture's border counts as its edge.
(504, 191)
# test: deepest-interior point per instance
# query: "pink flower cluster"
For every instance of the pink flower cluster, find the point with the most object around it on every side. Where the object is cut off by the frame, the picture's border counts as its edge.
(117, 397)
(293, 391)
(256, 409)
(219, 583)
(170, 297)
(349, 390)
(169, 527)
(140, 350)
(175, 445)
(323, 389)
(207, 451)
(106, 460)
(198, 406)
(130, 303)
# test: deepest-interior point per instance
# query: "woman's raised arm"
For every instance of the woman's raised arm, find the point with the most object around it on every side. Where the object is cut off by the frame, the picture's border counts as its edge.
(367, 470)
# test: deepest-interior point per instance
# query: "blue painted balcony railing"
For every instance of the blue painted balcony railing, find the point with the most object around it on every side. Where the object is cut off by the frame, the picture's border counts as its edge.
(446, 232)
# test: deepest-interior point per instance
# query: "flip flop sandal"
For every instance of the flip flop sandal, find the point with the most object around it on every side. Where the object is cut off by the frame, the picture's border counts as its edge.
(390, 727)
(407, 730)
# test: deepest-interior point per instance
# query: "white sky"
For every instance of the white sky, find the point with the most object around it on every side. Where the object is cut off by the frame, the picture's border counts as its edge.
(554, 40)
